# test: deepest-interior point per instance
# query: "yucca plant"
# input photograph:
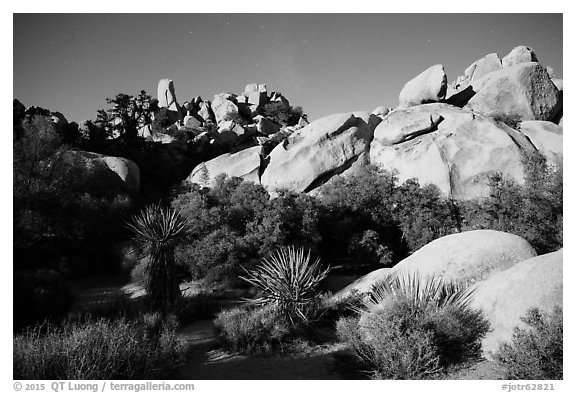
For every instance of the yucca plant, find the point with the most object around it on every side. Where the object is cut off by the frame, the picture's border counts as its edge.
(412, 327)
(419, 292)
(158, 229)
(289, 281)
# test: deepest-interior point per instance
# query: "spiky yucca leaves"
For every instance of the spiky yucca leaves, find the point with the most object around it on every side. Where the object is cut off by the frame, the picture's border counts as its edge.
(289, 281)
(420, 292)
(158, 229)
(412, 327)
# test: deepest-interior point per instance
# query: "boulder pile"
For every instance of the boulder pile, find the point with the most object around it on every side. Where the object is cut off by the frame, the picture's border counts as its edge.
(453, 135)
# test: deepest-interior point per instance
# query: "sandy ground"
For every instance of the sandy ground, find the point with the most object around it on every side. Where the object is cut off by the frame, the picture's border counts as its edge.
(208, 361)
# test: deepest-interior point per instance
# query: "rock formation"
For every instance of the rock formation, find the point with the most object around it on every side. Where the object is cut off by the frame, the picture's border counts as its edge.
(167, 95)
(244, 164)
(467, 256)
(519, 92)
(519, 55)
(97, 164)
(449, 147)
(429, 86)
(318, 151)
(508, 295)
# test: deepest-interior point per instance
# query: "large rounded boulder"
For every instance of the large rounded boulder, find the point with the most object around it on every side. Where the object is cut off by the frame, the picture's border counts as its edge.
(318, 151)
(467, 256)
(244, 164)
(520, 92)
(429, 86)
(450, 147)
(507, 296)
(102, 166)
(362, 285)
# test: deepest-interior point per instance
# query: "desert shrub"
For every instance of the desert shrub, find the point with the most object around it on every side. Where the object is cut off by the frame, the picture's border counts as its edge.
(422, 214)
(533, 210)
(253, 330)
(216, 258)
(282, 113)
(535, 352)
(101, 349)
(289, 219)
(367, 193)
(289, 281)
(368, 247)
(412, 327)
(390, 352)
(39, 295)
(200, 305)
(235, 222)
(512, 121)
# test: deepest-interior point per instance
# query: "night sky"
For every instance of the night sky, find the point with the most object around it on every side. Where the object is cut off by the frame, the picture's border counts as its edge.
(326, 63)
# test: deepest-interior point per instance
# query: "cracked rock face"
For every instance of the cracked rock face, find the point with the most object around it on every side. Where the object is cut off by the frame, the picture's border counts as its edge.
(519, 92)
(458, 154)
(316, 152)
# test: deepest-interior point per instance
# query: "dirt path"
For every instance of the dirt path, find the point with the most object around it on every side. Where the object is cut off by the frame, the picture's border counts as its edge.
(208, 361)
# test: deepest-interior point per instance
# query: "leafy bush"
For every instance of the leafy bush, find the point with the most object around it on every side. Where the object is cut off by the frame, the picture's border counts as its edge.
(98, 350)
(368, 248)
(282, 113)
(535, 352)
(533, 210)
(423, 214)
(288, 281)
(258, 330)
(390, 352)
(412, 327)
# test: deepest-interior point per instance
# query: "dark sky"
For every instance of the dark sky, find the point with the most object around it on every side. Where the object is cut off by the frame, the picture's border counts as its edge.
(325, 63)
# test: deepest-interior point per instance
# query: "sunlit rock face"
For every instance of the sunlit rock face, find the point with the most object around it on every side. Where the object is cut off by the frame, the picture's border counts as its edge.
(429, 86)
(449, 147)
(470, 256)
(507, 296)
(318, 151)
(520, 92)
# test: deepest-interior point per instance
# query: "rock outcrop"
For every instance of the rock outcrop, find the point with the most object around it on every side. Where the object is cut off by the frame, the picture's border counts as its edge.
(318, 151)
(449, 147)
(506, 296)
(519, 92)
(98, 165)
(547, 137)
(429, 86)
(224, 107)
(244, 164)
(518, 55)
(467, 256)
(362, 285)
(167, 95)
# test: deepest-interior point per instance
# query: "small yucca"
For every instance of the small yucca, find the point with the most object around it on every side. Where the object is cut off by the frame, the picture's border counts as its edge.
(158, 229)
(419, 291)
(288, 280)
